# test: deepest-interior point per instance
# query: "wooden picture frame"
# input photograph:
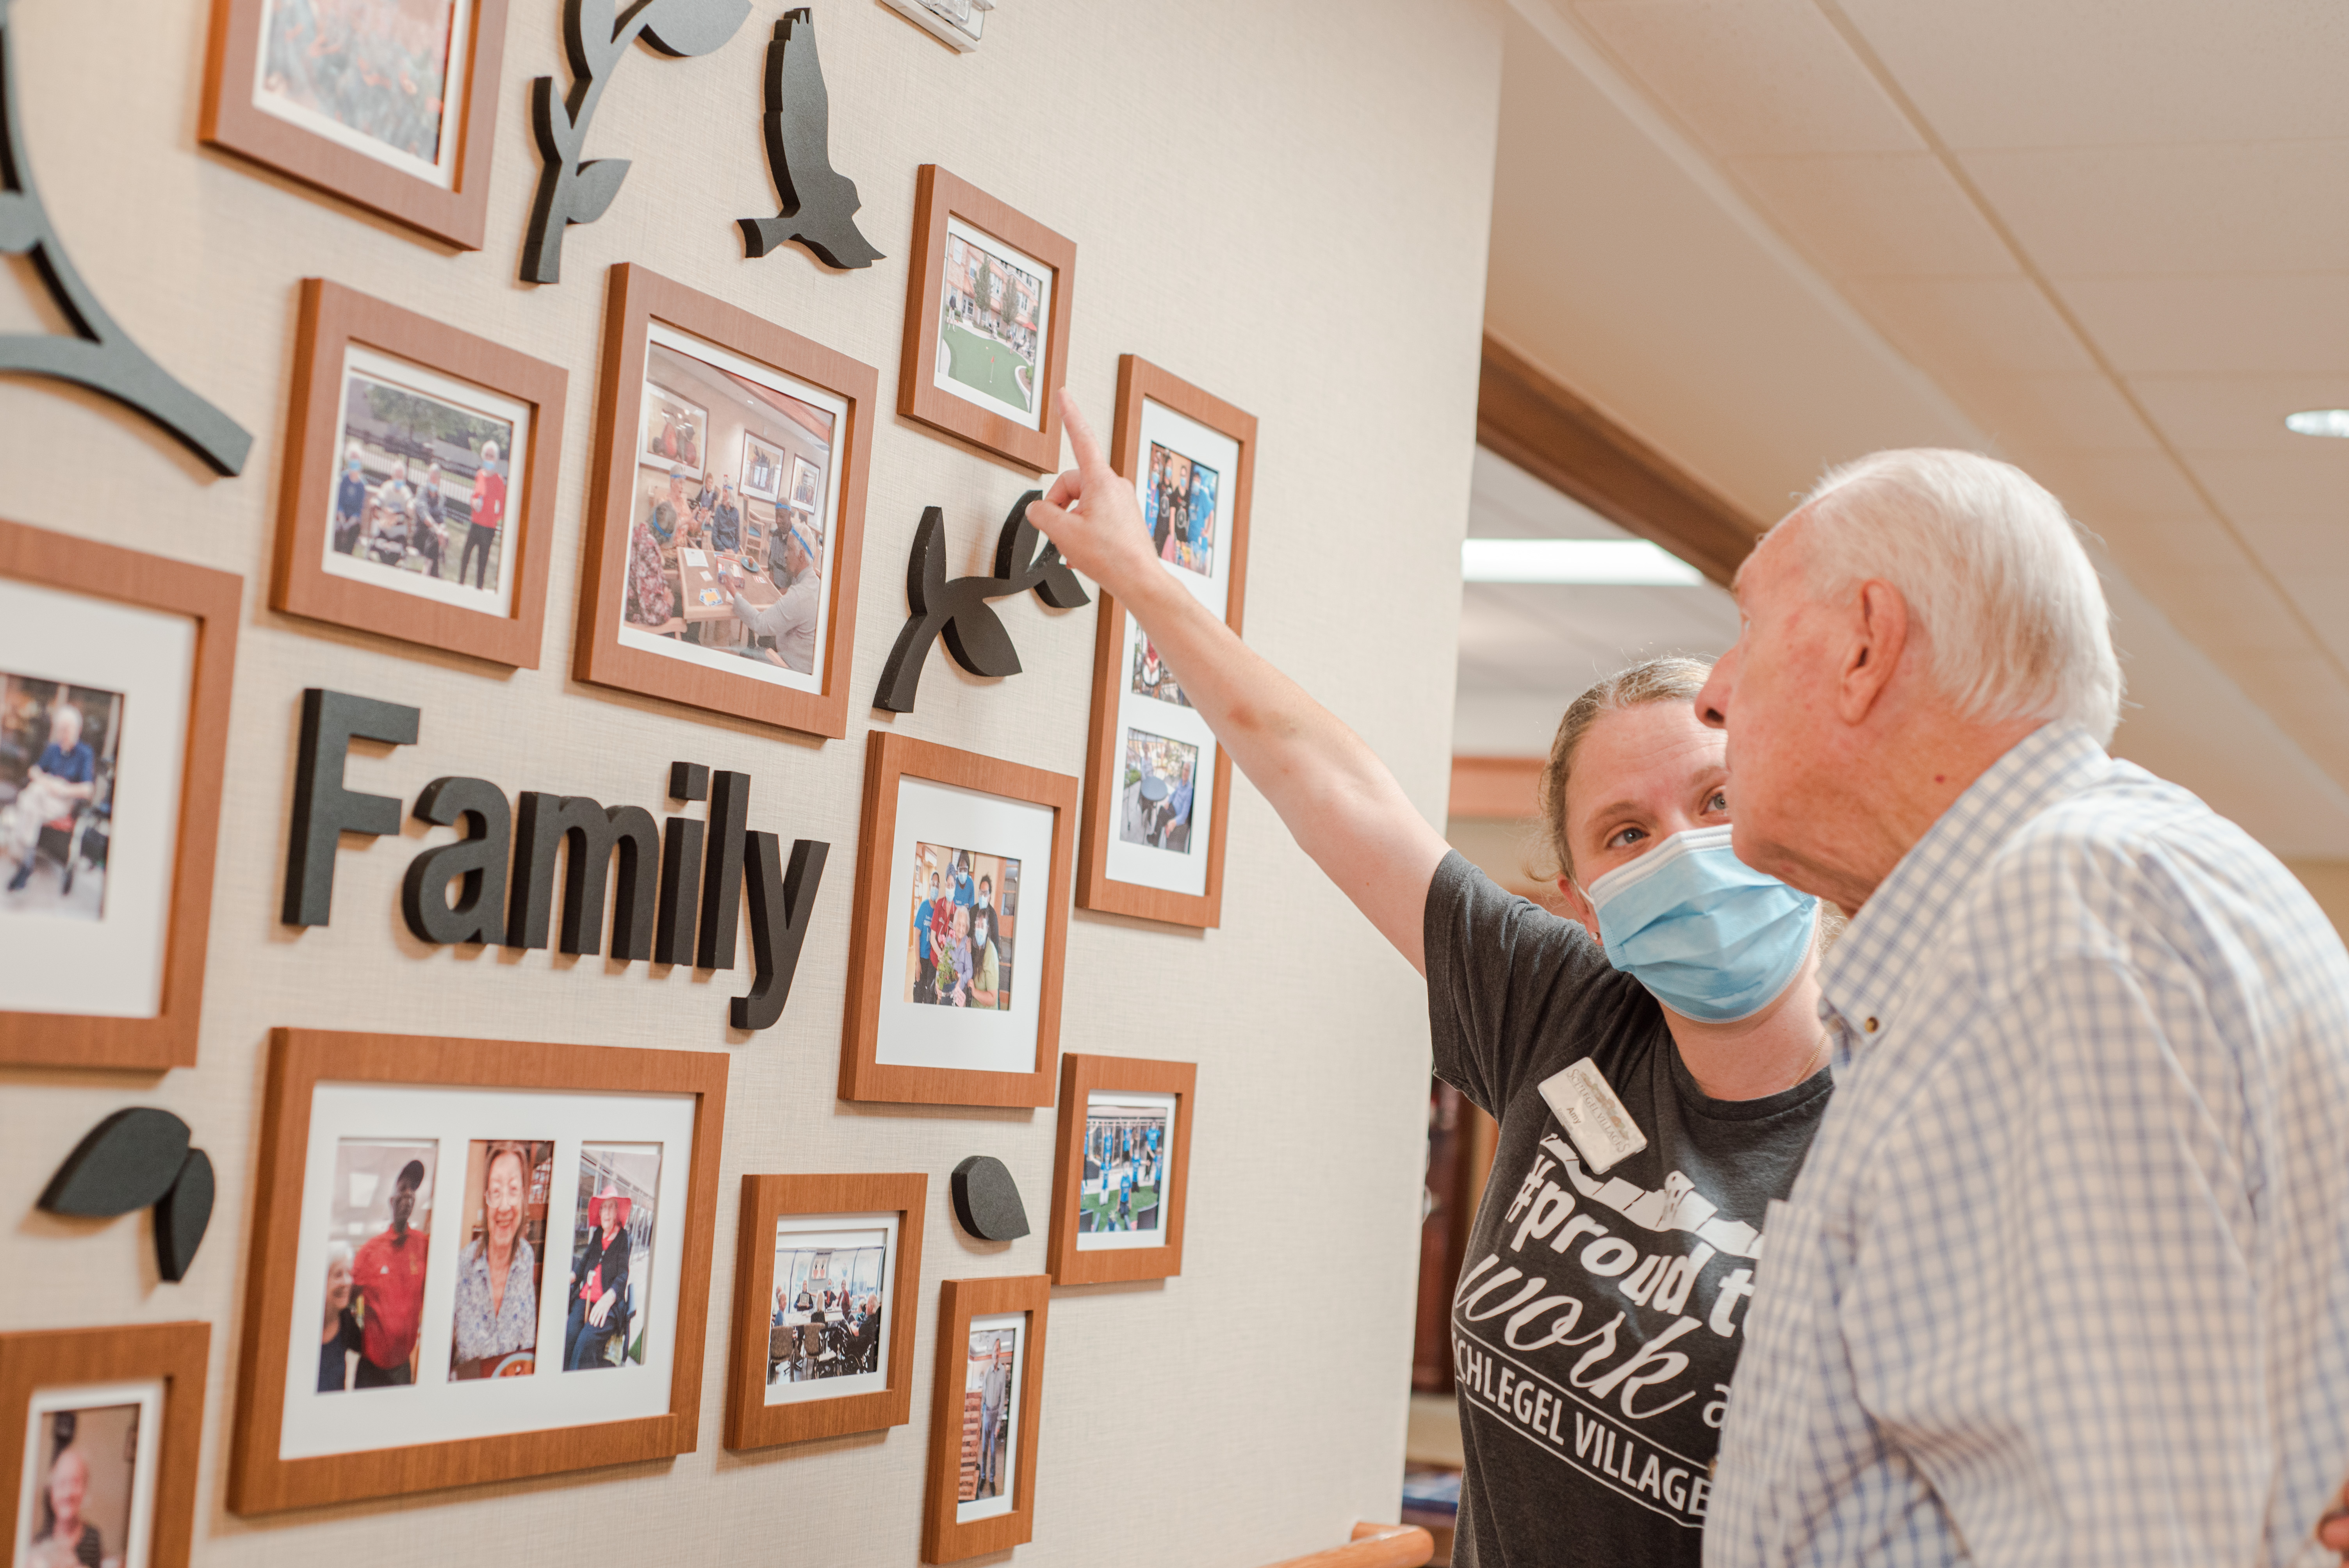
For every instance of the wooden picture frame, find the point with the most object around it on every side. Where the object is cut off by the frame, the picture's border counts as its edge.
(73, 563)
(261, 1480)
(173, 1354)
(639, 300)
(944, 1538)
(938, 197)
(1116, 704)
(1082, 1076)
(751, 1422)
(891, 758)
(334, 321)
(293, 142)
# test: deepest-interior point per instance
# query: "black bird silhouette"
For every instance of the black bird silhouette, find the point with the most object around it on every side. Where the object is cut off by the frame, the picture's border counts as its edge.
(974, 633)
(820, 202)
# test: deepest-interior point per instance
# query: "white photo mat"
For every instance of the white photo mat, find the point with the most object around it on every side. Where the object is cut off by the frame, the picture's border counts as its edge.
(454, 97)
(1111, 1102)
(1006, 1500)
(111, 967)
(147, 1395)
(1030, 419)
(435, 1408)
(827, 510)
(924, 1035)
(1182, 871)
(409, 376)
(805, 1231)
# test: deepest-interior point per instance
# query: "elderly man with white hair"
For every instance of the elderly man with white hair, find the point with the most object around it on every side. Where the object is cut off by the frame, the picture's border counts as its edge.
(65, 774)
(2065, 1279)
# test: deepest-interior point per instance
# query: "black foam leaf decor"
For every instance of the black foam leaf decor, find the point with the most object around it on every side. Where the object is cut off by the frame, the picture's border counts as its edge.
(181, 1216)
(125, 1162)
(974, 633)
(986, 1199)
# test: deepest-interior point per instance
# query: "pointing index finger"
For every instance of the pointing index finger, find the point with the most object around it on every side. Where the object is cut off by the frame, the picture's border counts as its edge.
(1081, 439)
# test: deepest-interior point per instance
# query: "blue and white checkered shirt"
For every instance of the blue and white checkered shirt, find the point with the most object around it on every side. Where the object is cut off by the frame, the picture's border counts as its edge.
(2065, 1281)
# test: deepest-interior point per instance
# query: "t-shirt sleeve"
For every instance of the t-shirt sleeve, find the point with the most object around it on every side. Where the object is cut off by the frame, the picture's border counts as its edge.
(1509, 984)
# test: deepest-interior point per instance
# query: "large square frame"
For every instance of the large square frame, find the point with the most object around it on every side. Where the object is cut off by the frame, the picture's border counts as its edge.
(212, 600)
(959, 1301)
(260, 1482)
(1081, 1075)
(334, 318)
(175, 1353)
(888, 757)
(937, 196)
(1138, 379)
(751, 1422)
(639, 297)
(230, 121)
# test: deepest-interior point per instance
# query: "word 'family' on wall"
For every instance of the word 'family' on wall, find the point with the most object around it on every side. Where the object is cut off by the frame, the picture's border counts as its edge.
(677, 898)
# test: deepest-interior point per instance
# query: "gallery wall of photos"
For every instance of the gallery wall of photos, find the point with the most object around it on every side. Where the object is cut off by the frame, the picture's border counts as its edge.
(639, 537)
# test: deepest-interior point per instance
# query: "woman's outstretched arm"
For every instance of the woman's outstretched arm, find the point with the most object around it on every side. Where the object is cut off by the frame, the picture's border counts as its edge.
(1345, 808)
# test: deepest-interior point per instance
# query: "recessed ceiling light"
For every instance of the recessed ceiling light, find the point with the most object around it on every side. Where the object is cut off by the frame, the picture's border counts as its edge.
(1612, 562)
(2318, 422)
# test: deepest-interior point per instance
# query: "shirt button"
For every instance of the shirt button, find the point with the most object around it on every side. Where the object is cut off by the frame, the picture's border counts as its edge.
(1871, 1026)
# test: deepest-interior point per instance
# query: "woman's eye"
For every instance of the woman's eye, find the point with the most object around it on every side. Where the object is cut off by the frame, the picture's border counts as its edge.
(1628, 836)
(1719, 801)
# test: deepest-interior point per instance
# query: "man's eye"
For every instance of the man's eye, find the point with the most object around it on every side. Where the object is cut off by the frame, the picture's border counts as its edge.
(1720, 801)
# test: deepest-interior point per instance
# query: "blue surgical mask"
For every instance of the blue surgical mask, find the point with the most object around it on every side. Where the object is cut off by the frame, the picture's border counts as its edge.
(1711, 938)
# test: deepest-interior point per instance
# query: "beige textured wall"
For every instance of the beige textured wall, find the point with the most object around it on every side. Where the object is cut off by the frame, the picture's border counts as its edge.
(1288, 203)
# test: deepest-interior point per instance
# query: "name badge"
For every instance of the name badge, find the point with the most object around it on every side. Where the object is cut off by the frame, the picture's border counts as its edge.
(1586, 1105)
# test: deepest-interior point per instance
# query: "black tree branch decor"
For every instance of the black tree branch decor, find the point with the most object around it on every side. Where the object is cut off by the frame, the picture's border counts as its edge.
(974, 633)
(99, 355)
(820, 203)
(574, 191)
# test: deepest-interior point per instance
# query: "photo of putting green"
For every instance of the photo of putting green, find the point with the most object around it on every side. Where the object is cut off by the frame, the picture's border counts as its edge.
(995, 307)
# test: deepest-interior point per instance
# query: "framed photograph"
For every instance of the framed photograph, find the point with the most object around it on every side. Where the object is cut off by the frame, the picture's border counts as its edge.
(115, 672)
(986, 323)
(696, 591)
(420, 469)
(390, 104)
(1158, 786)
(960, 926)
(99, 1430)
(393, 1343)
(1120, 1170)
(986, 1403)
(826, 1274)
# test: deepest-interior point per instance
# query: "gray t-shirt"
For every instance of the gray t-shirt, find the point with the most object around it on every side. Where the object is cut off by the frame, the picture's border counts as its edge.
(1596, 1321)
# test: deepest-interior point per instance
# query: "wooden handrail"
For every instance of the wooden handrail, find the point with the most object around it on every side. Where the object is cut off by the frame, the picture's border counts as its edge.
(1373, 1546)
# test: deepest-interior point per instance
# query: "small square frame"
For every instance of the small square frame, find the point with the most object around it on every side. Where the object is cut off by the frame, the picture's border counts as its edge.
(259, 1480)
(639, 297)
(888, 757)
(60, 1357)
(1081, 1075)
(938, 195)
(959, 1301)
(751, 1422)
(334, 318)
(212, 600)
(230, 121)
(1138, 379)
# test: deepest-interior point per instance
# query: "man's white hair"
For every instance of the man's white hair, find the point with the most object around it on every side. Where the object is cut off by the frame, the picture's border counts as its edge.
(1993, 572)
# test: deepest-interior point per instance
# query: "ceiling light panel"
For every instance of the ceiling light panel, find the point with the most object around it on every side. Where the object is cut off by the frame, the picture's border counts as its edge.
(1603, 563)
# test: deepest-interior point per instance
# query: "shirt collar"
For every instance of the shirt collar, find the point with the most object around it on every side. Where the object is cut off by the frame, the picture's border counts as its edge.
(1865, 974)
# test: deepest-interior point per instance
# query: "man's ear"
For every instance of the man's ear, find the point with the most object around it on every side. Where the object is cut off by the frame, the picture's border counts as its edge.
(1578, 909)
(1879, 638)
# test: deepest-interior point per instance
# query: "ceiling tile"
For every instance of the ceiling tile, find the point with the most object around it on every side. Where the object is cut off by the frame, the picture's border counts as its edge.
(1877, 216)
(2093, 484)
(2034, 414)
(2228, 609)
(1751, 76)
(1971, 324)
(2278, 325)
(2300, 552)
(2241, 412)
(2054, 73)
(2175, 544)
(2311, 486)
(2260, 207)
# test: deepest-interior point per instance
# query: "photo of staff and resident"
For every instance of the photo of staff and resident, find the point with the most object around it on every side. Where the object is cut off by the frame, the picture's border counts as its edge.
(1154, 810)
(610, 1257)
(826, 1315)
(964, 905)
(420, 490)
(504, 1259)
(378, 1246)
(1178, 506)
(59, 743)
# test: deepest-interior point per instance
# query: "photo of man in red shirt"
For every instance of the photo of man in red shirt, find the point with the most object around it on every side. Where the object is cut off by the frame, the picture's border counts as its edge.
(387, 1277)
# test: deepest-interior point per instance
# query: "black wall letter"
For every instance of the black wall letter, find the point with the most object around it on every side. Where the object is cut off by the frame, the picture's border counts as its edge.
(480, 858)
(595, 832)
(721, 878)
(780, 902)
(323, 808)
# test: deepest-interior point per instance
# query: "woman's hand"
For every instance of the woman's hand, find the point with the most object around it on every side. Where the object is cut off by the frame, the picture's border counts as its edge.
(1091, 514)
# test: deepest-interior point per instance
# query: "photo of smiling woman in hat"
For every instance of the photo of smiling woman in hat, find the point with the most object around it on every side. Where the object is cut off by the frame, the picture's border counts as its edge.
(611, 1256)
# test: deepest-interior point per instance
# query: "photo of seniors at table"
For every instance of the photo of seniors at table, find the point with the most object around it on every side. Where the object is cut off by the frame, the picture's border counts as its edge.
(733, 508)
(503, 1261)
(378, 1250)
(58, 749)
(828, 1313)
(965, 908)
(611, 1256)
(421, 492)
